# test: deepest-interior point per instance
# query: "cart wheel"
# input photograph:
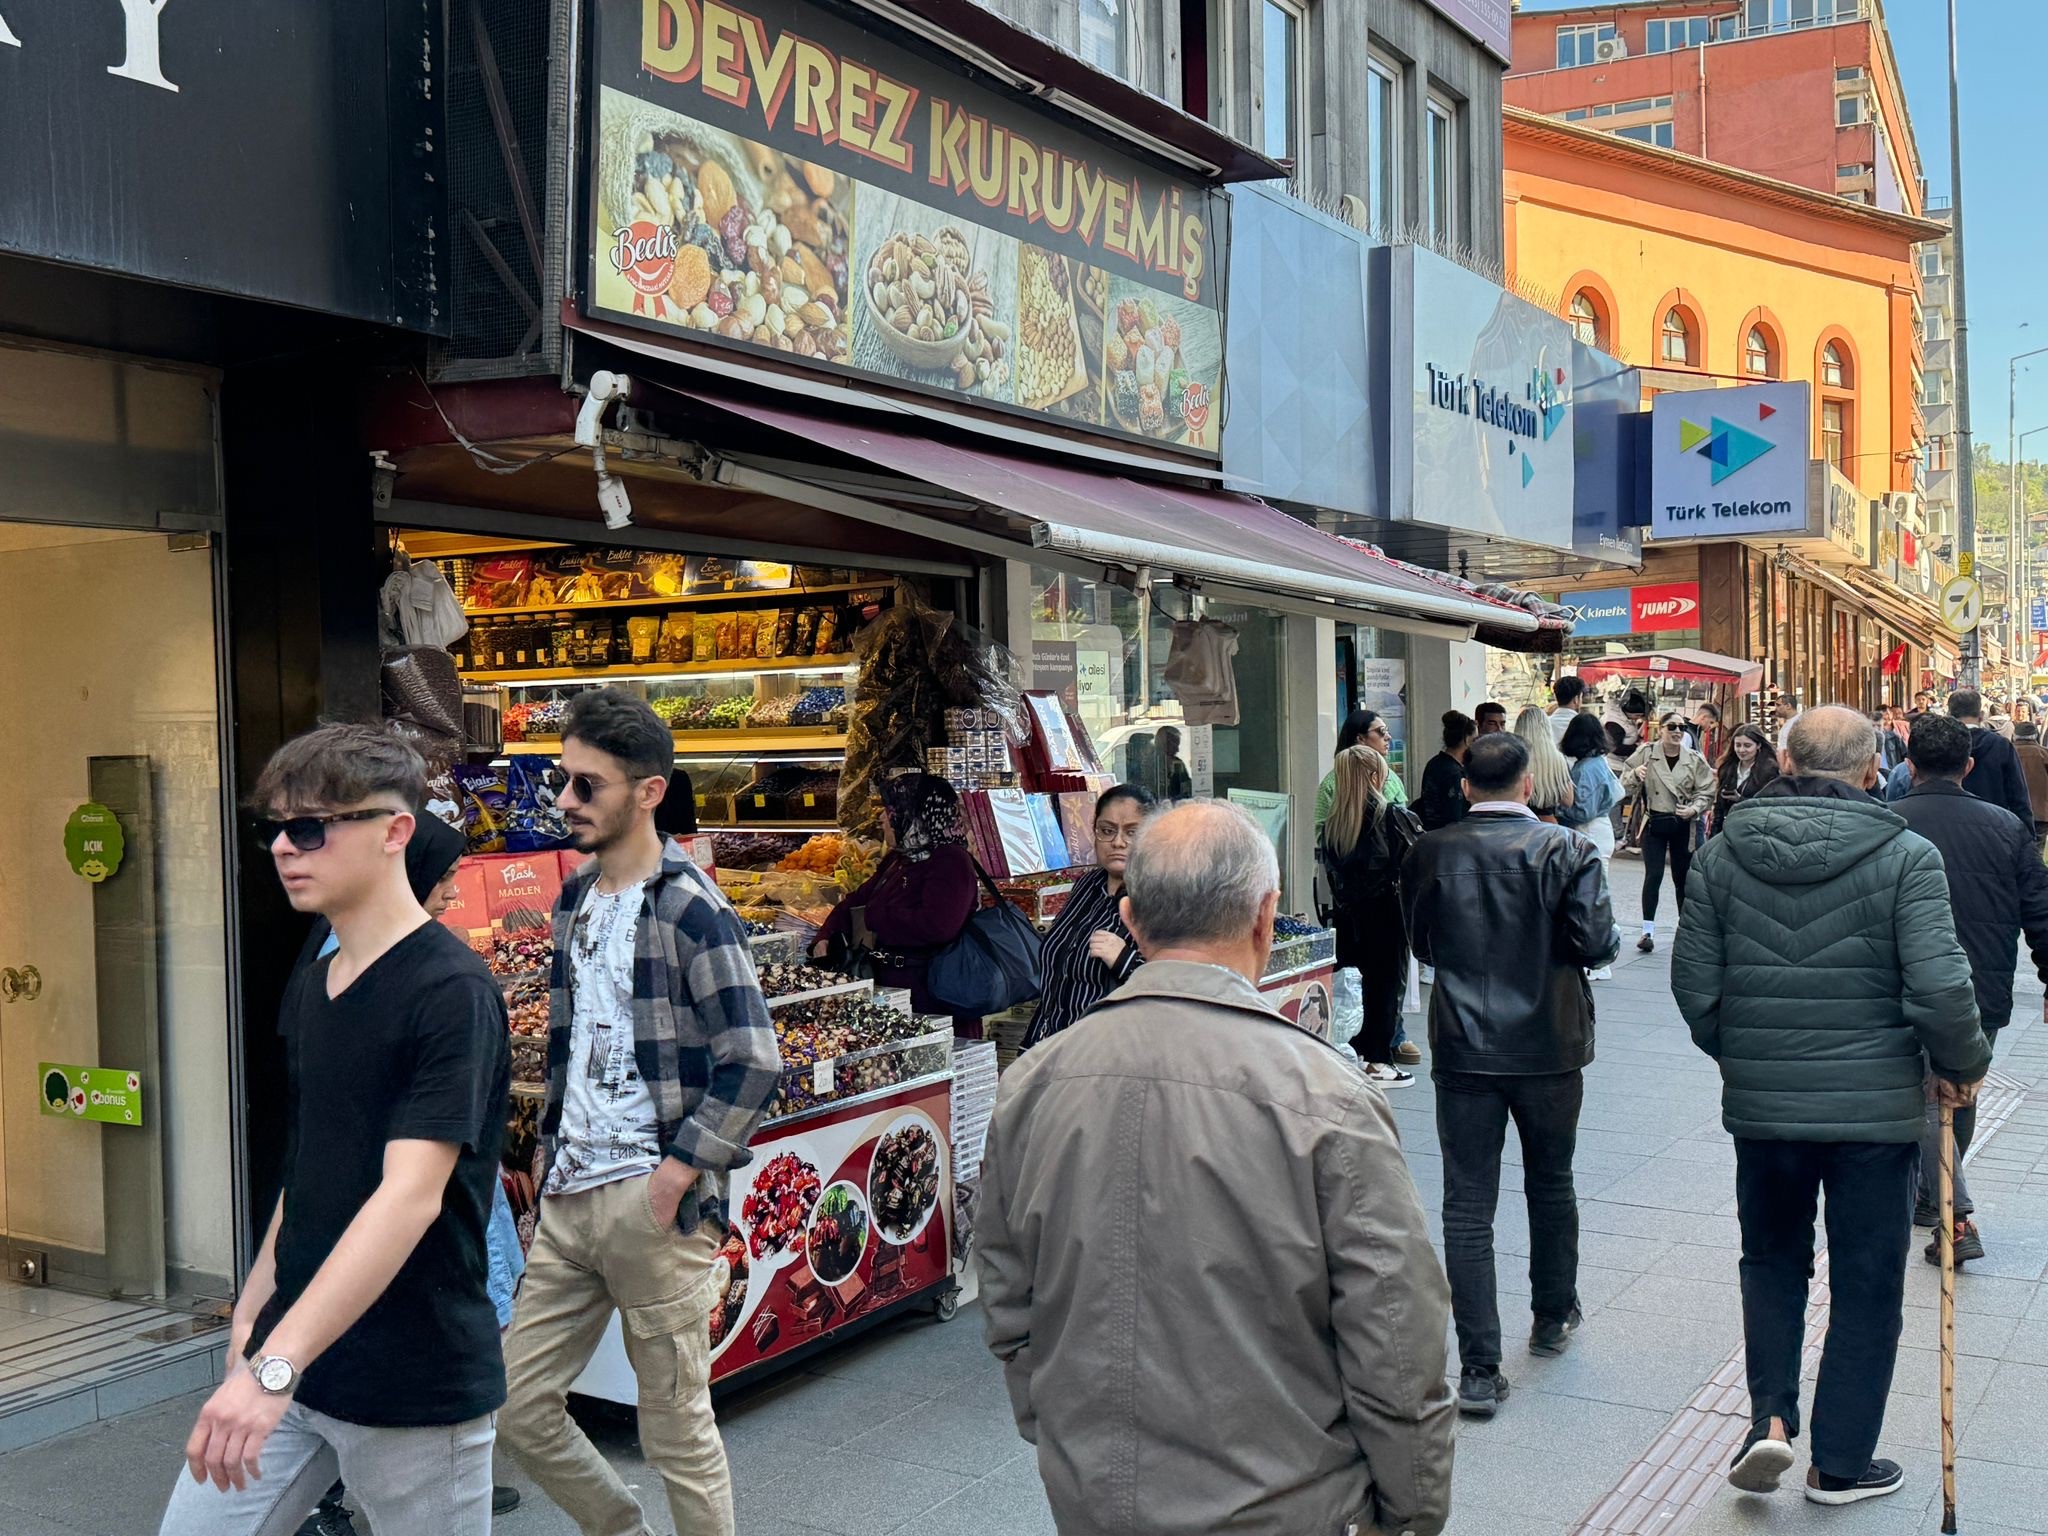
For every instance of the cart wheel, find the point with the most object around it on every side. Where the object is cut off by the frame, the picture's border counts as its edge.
(947, 1306)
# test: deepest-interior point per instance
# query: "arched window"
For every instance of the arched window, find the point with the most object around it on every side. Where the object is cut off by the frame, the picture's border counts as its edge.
(1833, 371)
(1676, 345)
(1759, 357)
(1585, 318)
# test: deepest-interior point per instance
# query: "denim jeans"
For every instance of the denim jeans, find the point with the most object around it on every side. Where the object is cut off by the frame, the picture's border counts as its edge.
(1472, 1114)
(1930, 1159)
(435, 1479)
(1869, 1187)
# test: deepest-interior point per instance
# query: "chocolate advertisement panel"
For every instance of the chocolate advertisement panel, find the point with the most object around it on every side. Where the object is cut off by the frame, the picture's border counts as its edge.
(777, 177)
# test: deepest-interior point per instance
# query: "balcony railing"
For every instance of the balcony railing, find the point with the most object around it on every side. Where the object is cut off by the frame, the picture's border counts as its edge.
(1939, 354)
(1934, 291)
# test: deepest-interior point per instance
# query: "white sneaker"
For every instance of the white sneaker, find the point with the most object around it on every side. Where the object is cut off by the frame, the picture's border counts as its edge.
(1388, 1076)
(1428, 977)
(1605, 973)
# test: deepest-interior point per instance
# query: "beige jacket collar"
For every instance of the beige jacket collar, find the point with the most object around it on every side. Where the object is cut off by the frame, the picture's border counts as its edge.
(1193, 981)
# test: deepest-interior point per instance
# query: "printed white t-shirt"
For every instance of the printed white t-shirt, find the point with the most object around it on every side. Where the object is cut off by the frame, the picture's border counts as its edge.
(608, 1129)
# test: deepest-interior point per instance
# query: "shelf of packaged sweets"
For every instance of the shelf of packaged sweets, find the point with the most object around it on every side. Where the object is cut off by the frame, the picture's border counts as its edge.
(681, 600)
(642, 672)
(767, 739)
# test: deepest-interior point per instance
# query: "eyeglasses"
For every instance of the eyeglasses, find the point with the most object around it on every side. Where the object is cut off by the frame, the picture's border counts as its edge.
(308, 834)
(1108, 834)
(585, 788)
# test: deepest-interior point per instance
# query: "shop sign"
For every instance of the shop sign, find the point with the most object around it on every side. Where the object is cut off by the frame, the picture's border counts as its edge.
(106, 1095)
(1490, 21)
(1846, 513)
(780, 178)
(1598, 615)
(94, 843)
(2037, 615)
(238, 146)
(1606, 488)
(1728, 463)
(1670, 605)
(1480, 391)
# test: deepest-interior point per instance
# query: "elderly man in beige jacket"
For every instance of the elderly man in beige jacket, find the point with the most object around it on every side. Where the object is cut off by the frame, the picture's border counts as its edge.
(1203, 1262)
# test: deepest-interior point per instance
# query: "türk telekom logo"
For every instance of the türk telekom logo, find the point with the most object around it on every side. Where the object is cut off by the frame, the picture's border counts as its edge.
(1673, 605)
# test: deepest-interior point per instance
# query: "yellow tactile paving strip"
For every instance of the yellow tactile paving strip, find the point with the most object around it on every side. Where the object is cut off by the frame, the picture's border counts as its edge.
(1666, 1487)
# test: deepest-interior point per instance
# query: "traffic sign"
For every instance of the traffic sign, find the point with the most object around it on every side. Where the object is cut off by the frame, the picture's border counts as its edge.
(1962, 604)
(1966, 564)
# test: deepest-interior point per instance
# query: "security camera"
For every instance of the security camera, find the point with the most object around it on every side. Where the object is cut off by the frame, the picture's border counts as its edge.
(613, 501)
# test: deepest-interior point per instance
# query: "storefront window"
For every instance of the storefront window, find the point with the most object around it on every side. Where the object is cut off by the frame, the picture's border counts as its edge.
(1109, 650)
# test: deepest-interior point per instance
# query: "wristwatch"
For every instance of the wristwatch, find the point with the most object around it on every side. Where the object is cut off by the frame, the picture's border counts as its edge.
(275, 1375)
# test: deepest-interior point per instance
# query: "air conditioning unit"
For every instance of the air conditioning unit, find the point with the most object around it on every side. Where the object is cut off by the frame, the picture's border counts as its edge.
(1608, 49)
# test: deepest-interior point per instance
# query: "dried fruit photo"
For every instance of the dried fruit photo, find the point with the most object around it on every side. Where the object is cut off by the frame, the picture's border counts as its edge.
(707, 231)
(780, 1202)
(937, 298)
(725, 1311)
(903, 1179)
(1162, 360)
(839, 1233)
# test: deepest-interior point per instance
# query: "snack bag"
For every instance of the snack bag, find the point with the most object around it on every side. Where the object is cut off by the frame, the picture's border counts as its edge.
(533, 821)
(483, 796)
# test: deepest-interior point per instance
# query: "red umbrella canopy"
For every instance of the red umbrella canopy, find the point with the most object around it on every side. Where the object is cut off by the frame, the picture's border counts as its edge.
(1683, 664)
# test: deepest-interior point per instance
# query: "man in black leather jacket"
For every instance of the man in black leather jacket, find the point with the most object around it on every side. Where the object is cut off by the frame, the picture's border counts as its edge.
(1999, 889)
(1512, 912)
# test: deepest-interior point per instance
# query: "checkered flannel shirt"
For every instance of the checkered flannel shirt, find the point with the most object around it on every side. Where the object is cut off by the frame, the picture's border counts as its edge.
(701, 1033)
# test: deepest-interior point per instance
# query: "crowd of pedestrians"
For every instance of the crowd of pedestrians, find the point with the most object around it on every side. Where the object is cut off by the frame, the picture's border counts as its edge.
(1205, 1269)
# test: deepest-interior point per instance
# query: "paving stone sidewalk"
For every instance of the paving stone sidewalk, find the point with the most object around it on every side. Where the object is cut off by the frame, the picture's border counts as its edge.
(908, 1429)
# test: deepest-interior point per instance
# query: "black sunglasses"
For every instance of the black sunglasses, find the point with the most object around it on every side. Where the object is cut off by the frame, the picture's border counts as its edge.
(308, 834)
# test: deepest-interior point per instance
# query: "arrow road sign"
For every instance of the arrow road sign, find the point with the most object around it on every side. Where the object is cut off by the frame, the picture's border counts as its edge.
(1962, 604)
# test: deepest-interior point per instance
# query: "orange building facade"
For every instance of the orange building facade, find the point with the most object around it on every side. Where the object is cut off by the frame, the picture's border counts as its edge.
(1702, 276)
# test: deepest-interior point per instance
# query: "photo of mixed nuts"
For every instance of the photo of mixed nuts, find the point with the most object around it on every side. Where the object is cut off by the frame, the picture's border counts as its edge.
(938, 299)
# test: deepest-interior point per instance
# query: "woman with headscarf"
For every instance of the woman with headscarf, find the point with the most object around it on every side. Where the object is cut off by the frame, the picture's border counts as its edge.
(919, 897)
(430, 863)
(1547, 766)
(1089, 952)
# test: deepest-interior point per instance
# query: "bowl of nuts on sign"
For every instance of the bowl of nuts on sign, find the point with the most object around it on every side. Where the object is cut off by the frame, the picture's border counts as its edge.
(932, 311)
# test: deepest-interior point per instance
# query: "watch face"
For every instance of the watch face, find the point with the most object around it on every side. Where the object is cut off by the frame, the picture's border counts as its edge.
(274, 1374)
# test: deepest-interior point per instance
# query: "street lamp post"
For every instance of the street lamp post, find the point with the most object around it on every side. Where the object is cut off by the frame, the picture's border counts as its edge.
(2015, 542)
(1966, 492)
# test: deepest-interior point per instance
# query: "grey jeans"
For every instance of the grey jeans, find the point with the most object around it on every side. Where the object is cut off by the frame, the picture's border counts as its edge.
(434, 1479)
(1929, 1197)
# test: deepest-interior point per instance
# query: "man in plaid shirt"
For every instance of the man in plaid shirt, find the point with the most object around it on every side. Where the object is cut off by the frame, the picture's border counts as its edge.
(661, 1062)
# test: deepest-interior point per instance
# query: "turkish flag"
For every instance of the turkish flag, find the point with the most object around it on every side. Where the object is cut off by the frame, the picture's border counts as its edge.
(1894, 659)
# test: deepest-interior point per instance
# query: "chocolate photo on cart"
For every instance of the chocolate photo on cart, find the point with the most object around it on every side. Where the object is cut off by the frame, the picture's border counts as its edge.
(838, 1235)
(904, 1177)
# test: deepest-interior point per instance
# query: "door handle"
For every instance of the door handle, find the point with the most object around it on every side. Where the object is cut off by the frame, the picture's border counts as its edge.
(31, 983)
(10, 984)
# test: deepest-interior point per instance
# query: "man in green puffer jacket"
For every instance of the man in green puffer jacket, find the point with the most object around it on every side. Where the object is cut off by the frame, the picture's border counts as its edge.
(1817, 962)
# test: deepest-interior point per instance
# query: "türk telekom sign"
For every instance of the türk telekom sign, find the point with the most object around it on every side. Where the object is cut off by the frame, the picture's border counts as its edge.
(1669, 605)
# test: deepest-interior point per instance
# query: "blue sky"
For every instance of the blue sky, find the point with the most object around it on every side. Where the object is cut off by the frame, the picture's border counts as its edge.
(2002, 45)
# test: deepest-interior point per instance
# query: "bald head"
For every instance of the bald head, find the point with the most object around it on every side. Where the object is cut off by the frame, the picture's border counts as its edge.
(1833, 742)
(1203, 883)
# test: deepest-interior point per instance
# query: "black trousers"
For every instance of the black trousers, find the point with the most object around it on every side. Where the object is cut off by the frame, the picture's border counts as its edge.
(1472, 1114)
(1663, 834)
(1373, 937)
(1869, 1187)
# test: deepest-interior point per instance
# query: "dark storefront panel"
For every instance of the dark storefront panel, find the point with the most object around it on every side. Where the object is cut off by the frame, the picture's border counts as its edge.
(242, 147)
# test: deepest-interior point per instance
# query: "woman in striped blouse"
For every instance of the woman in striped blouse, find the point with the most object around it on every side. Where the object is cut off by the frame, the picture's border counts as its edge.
(1089, 952)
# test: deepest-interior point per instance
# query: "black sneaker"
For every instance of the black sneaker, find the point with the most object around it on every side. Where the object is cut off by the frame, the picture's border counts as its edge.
(1883, 1477)
(1550, 1336)
(1926, 1216)
(1762, 1460)
(330, 1519)
(1968, 1244)
(503, 1499)
(1481, 1391)
(1647, 943)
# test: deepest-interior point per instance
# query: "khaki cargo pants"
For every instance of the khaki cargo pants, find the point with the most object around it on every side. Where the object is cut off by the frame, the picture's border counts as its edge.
(598, 1250)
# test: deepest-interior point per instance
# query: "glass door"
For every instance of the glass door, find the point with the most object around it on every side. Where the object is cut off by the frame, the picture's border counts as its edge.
(115, 1151)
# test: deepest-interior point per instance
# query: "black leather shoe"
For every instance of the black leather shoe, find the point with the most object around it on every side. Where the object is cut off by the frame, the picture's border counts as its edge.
(1647, 943)
(1763, 1459)
(503, 1500)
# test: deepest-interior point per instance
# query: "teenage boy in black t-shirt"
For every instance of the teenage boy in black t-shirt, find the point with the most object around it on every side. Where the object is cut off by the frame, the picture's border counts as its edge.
(365, 1342)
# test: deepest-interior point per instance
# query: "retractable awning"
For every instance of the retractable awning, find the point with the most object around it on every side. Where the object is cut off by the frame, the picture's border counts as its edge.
(1234, 546)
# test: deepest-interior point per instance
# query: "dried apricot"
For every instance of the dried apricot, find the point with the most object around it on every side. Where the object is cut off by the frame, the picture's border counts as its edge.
(819, 179)
(714, 191)
(692, 278)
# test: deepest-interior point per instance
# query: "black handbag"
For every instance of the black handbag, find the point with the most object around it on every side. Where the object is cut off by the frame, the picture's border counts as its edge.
(992, 966)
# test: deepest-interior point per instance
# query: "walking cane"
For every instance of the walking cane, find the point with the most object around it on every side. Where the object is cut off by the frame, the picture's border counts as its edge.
(1948, 1321)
